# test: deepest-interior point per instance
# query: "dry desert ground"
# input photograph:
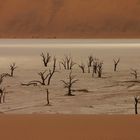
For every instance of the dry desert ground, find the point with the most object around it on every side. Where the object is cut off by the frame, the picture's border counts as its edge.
(113, 93)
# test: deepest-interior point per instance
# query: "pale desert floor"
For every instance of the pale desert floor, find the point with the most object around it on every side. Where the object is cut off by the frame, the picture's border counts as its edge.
(106, 95)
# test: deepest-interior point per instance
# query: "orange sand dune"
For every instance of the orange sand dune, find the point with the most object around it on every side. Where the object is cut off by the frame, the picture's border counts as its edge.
(72, 127)
(70, 19)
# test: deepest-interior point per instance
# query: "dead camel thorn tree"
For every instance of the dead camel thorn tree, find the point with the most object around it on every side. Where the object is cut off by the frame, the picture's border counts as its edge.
(90, 60)
(69, 84)
(2, 95)
(82, 67)
(2, 77)
(45, 58)
(95, 66)
(99, 69)
(116, 62)
(134, 73)
(89, 63)
(67, 63)
(51, 72)
(137, 100)
(43, 77)
(12, 68)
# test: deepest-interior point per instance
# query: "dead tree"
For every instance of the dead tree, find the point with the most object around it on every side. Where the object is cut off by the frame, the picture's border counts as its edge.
(43, 77)
(88, 67)
(51, 72)
(89, 63)
(45, 58)
(90, 60)
(82, 67)
(12, 68)
(68, 84)
(99, 69)
(63, 62)
(48, 99)
(137, 100)
(134, 73)
(68, 60)
(116, 62)
(2, 95)
(67, 63)
(2, 77)
(95, 66)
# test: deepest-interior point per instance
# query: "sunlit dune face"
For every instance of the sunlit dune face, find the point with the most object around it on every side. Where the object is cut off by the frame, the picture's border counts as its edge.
(70, 19)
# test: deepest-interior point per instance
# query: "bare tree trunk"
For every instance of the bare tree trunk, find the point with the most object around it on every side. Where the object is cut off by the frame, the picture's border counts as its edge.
(82, 67)
(3, 97)
(115, 67)
(99, 69)
(69, 91)
(116, 62)
(136, 108)
(99, 74)
(136, 104)
(48, 101)
(137, 99)
(12, 73)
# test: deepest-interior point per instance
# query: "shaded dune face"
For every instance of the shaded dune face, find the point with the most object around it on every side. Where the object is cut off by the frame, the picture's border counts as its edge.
(69, 18)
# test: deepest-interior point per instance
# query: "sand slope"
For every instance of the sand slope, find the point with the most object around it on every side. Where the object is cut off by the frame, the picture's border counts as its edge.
(69, 18)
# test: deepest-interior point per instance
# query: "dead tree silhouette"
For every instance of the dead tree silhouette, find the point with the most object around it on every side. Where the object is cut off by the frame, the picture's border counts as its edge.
(134, 73)
(99, 69)
(82, 67)
(45, 58)
(88, 66)
(137, 100)
(51, 72)
(68, 84)
(67, 63)
(2, 95)
(90, 60)
(116, 62)
(95, 66)
(43, 75)
(89, 63)
(2, 77)
(12, 68)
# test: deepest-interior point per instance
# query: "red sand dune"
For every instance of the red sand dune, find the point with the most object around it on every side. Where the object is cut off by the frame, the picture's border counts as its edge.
(69, 18)
(63, 127)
